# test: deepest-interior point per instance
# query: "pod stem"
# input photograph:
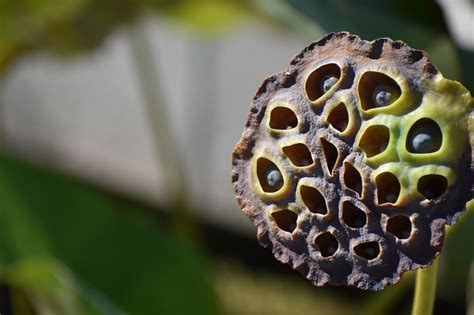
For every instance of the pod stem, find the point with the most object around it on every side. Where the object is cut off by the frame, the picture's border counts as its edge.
(425, 290)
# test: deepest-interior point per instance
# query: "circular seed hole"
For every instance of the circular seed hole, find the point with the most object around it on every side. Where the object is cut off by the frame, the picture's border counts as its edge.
(400, 226)
(374, 140)
(331, 154)
(313, 199)
(352, 216)
(432, 186)
(285, 219)
(283, 118)
(298, 154)
(327, 244)
(388, 188)
(424, 137)
(321, 80)
(368, 250)
(352, 178)
(269, 176)
(339, 117)
(377, 90)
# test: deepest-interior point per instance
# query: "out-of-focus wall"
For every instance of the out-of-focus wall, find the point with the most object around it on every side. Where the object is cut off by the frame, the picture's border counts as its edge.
(86, 115)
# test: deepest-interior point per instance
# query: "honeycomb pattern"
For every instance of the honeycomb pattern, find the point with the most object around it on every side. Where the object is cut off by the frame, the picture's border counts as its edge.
(354, 159)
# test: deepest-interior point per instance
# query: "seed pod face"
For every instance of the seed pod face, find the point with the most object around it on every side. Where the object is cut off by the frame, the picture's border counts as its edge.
(354, 159)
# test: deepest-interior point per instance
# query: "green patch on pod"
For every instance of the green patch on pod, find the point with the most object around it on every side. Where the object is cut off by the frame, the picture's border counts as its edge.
(444, 111)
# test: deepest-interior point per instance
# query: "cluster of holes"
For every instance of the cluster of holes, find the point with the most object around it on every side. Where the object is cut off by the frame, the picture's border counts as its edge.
(377, 90)
(299, 154)
(283, 118)
(269, 175)
(352, 216)
(374, 140)
(313, 200)
(338, 118)
(285, 219)
(424, 136)
(328, 245)
(431, 186)
(321, 80)
(388, 188)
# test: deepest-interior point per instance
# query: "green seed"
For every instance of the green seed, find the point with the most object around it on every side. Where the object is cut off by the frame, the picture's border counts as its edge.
(274, 178)
(327, 83)
(384, 95)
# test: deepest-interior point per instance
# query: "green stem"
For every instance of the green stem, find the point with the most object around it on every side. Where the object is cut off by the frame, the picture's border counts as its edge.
(165, 144)
(151, 89)
(425, 290)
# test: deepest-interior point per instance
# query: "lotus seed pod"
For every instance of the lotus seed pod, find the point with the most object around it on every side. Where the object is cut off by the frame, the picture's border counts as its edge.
(354, 159)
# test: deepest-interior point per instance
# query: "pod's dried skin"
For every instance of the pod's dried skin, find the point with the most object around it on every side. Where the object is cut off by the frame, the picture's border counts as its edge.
(354, 159)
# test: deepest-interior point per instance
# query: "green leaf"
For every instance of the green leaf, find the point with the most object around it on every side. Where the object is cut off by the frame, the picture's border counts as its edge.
(114, 247)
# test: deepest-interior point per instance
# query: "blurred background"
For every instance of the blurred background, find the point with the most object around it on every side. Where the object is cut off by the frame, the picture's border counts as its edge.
(117, 119)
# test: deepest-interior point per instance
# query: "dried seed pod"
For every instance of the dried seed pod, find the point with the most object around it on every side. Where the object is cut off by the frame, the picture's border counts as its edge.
(354, 159)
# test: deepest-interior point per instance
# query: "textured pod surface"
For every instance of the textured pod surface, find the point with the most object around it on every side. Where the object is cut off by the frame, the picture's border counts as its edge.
(354, 159)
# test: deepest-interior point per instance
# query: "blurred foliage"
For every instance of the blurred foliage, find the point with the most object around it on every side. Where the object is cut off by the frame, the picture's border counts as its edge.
(385, 301)
(70, 26)
(466, 59)
(43, 286)
(416, 22)
(285, 15)
(113, 248)
(204, 16)
(266, 294)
